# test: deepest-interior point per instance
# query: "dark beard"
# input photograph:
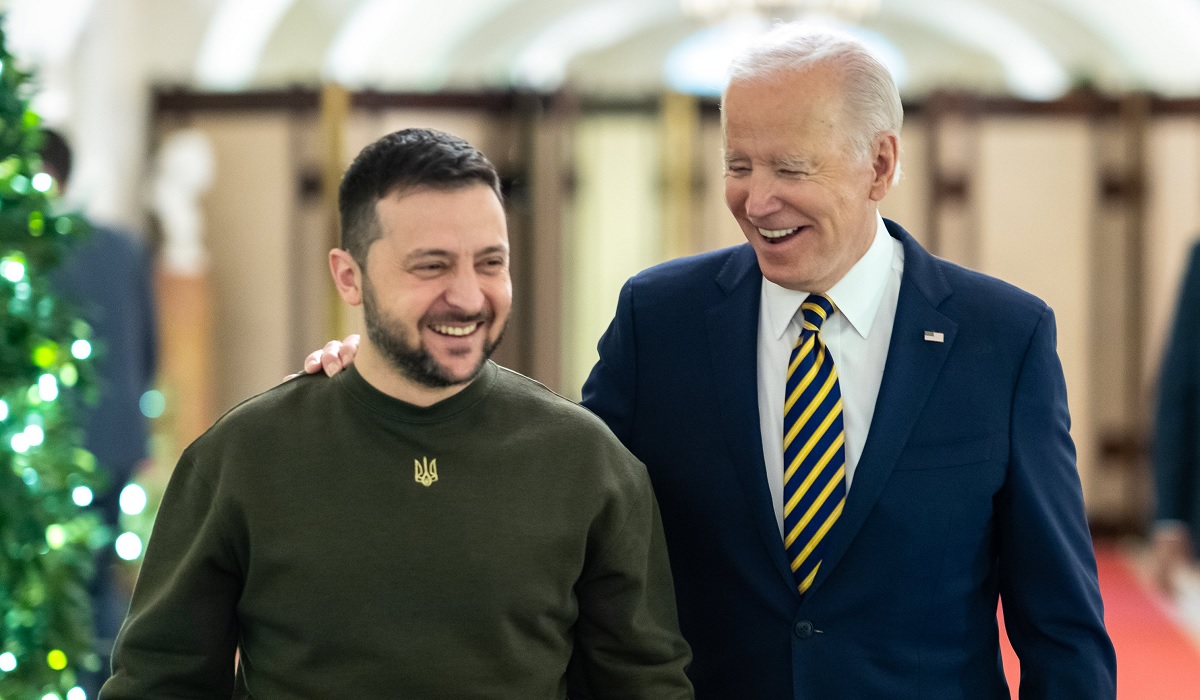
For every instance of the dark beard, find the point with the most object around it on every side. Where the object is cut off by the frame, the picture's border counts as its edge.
(413, 360)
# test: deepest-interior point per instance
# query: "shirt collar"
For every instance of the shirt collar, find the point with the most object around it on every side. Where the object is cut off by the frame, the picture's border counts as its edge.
(857, 294)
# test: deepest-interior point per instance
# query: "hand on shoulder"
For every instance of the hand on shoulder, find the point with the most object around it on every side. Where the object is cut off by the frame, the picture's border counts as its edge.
(333, 358)
(1170, 553)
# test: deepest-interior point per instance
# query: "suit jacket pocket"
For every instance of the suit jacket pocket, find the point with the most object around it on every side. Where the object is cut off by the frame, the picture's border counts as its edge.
(939, 455)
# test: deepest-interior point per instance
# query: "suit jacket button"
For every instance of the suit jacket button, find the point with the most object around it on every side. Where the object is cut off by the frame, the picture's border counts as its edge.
(804, 629)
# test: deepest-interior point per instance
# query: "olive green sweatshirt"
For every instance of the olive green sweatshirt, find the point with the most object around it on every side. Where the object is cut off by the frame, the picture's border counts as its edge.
(349, 545)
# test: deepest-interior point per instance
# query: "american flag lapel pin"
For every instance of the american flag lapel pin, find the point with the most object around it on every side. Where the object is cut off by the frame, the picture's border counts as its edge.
(935, 337)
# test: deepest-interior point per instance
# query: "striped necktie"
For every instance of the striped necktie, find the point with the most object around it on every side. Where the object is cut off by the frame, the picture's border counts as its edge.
(814, 456)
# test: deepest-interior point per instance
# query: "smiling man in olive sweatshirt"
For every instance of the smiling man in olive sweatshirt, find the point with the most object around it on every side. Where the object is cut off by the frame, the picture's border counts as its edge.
(427, 524)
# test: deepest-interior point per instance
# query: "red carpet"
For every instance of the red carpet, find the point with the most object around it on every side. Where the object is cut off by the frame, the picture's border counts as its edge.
(1156, 659)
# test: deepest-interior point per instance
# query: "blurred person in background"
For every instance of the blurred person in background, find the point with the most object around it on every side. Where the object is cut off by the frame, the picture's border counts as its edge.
(1176, 448)
(107, 277)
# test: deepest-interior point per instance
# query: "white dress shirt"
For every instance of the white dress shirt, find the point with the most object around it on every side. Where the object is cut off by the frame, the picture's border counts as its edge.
(857, 336)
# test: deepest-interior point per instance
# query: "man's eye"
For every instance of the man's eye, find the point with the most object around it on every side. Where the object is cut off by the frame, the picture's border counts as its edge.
(737, 169)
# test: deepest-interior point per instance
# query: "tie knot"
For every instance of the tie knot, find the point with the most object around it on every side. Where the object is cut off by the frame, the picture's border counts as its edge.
(815, 309)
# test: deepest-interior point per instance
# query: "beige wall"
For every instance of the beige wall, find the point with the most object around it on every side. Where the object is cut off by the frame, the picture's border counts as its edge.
(249, 221)
(1035, 197)
(617, 228)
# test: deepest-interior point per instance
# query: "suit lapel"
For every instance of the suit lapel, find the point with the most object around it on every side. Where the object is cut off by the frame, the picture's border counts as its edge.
(732, 326)
(912, 366)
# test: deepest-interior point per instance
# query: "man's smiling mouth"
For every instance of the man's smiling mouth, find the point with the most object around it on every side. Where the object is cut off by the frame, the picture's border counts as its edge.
(457, 331)
(775, 234)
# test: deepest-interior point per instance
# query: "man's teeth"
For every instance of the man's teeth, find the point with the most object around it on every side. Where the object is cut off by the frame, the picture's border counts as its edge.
(768, 233)
(456, 330)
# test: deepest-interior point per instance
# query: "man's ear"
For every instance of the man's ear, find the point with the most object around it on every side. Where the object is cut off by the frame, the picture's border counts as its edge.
(347, 276)
(885, 159)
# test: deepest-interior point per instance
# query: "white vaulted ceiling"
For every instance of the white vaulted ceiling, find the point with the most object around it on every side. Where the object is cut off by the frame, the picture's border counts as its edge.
(1030, 48)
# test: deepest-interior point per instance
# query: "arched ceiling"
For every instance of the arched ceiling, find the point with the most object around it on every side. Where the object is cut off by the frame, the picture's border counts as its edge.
(1031, 48)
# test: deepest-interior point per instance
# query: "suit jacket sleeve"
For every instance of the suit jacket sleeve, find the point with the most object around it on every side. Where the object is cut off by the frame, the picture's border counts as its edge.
(610, 389)
(1048, 586)
(1176, 422)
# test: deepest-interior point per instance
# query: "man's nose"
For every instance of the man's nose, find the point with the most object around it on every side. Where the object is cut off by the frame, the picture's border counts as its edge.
(762, 195)
(465, 292)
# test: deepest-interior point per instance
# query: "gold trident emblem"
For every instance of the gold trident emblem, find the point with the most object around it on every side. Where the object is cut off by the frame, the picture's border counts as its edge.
(426, 471)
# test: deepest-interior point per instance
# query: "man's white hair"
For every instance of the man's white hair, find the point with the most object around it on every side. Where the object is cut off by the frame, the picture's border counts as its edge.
(871, 100)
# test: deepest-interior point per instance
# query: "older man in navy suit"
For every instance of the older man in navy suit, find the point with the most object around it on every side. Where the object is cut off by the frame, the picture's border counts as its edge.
(858, 449)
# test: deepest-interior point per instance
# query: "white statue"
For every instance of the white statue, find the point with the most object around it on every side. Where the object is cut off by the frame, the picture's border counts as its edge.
(183, 172)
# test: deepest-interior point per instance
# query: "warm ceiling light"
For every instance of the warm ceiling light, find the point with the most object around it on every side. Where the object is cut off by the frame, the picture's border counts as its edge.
(852, 10)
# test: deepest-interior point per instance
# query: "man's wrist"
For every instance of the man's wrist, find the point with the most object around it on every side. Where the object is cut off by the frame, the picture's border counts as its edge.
(1169, 529)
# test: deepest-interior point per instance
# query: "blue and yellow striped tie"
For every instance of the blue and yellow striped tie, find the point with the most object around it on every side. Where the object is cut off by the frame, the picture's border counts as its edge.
(814, 453)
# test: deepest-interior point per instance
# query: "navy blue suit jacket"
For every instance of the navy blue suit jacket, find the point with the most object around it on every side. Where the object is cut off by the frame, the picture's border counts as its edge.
(1177, 421)
(966, 492)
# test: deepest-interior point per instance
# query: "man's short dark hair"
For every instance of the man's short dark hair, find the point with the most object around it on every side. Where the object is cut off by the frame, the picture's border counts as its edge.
(403, 160)
(56, 156)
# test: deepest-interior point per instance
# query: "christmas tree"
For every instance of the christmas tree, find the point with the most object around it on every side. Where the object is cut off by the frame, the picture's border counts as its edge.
(46, 479)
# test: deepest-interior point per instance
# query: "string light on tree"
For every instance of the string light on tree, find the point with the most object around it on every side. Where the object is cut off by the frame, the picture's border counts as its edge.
(42, 182)
(129, 546)
(82, 496)
(48, 387)
(12, 269)
(133, 499)
(81, 349)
